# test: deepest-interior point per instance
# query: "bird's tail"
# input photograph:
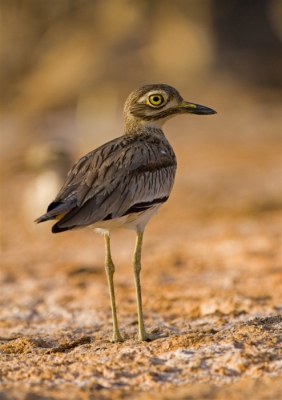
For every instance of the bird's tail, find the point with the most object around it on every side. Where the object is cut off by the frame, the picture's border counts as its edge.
(49, 216)
(43, 218)
(56, 210)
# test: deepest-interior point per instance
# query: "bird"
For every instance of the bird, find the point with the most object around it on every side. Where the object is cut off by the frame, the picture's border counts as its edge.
(124, 182)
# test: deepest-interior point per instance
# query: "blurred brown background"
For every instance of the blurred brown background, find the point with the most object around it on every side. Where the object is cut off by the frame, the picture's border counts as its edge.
(67, 67)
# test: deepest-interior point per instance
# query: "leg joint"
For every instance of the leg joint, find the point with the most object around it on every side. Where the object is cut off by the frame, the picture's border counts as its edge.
(136, 266)
(109, 267)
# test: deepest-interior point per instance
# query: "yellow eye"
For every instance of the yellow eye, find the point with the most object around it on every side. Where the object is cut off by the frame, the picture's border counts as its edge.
(156, 100)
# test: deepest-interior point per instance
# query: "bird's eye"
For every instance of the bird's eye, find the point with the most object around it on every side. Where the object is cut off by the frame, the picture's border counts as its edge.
(156, 100)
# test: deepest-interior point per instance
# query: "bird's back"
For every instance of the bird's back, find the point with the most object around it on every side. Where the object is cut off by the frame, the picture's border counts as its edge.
(128, 175)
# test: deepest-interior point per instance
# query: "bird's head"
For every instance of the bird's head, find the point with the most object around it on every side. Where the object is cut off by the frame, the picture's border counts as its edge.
(153, 105)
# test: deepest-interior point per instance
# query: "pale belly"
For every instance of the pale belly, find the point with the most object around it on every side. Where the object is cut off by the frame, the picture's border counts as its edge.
(135, 221)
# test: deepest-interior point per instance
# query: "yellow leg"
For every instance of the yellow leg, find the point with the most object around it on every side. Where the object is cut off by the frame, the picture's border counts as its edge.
(142, 334)
(110, 269)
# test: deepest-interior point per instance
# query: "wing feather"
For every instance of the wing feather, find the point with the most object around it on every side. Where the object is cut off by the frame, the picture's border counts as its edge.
(115, 178)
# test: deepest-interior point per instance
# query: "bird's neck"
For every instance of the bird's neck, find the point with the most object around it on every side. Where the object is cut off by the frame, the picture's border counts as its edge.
(142, 127)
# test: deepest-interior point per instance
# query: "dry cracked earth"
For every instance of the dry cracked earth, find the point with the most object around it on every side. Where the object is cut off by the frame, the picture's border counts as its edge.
(211, 280)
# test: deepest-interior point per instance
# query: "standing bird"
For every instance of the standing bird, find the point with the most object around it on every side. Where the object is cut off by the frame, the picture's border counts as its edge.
(124, 182)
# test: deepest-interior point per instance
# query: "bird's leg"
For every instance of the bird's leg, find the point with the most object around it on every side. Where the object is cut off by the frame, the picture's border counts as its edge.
(110, 269)
(142, 334)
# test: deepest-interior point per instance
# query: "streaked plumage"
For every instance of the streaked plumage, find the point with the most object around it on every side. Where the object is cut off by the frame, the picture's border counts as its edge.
(128, 174)
(125, 181)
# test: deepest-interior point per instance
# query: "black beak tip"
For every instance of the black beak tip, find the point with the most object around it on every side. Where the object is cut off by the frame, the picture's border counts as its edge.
(202, 110)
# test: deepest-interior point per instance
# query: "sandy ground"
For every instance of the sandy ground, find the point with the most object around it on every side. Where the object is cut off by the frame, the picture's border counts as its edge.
(211, 280)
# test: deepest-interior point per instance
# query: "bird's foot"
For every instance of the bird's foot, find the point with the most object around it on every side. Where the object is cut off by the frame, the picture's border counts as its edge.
(116, 338)
(149, 337)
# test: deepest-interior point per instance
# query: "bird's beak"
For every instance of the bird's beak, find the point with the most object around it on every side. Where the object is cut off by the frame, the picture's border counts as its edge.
(191, 108)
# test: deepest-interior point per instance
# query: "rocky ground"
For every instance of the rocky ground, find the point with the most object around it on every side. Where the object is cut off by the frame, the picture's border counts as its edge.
(211, 280)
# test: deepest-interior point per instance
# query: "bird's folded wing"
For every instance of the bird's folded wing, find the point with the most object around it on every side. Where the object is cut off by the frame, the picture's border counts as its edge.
(113, 179)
